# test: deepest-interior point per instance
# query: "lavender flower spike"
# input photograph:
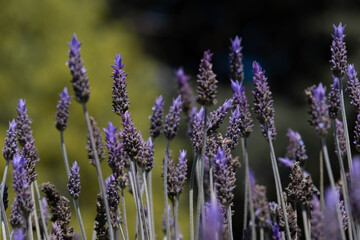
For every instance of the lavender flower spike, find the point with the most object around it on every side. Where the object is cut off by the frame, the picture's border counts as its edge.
(236, 57)
(80, 79)
(206, 80)
(113, 198)
(218, 116)
(263, 103)
(197, 131)
(239, 100)
(98, 143)
(184, 91)
(19, 234)
(296, 149)
(156, 119)
(74, 181)
(181, 172)
(332, 229)
(23, 124)
(354, 190)
(62, 110)
(338, 52)
(318, 111)
(353, 87)
(146, 160)
(334, 99)
(341, 137)
(317, 219)
(120, 99)
(10, 146)
(172, 119)
(130, 138)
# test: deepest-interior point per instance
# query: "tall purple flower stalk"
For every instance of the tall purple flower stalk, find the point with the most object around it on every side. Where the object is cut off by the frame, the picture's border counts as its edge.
(334, 99)
(120, 99)
(10, 146)
(218, 116)
(62, 110)
(185, 91)
(236, 57)
(23, 129)
(80, 81)
(130, 138)
(263, 103)
(156, 120)
(353, 87)
(177, 176)
(172, 119)
(296, 150)
(197, 135)
(74, 181)
(338, 52)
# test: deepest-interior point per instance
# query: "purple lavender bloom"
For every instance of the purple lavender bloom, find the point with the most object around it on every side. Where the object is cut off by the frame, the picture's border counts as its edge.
(357, 133)
(21, 186)
(191, 121)
(218, 116)
(172, 119)
(214, 222)
(233, 130)
(224, 177)
(74, 181)
(318, 111)
(120, 98)
(62, 110)
(185, 91)
(332, 229)
(286, 162)
(197, 133)
(181, 171)
(263, 103)
(338, 52)
(19, 234)
(16, 216)
(276, 232)
(99, 145)
(316, 219)
(129, 137)
(156, 119)
(334, 99)
(296, 149)
(236, 64)
(10, 146)
(206, 80)
(23, 129)
(113, 198)
(353, 87)
(148, 155)
(31, 157)
(240, 101)
(354, 190)
(341, 138)
(80, 79)
(176, 176)
(45, 208)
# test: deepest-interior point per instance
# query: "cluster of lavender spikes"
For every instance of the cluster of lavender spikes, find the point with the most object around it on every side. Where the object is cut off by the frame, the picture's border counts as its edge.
(332, 213)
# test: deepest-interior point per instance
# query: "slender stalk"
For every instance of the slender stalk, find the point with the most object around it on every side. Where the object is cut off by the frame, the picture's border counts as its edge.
(321, 181)
(249, 192)
(332, 183)
(29, 228)
(147, 203)
(305, 223)
(246, 199)
(198, 204)
(38, 235)
(176, 210)
(343, 116)
(124, 213)
(98, 170)
(191, 197)
(137, 230)
(201, 196)
(261, 233)
(75, 202)
(229, 217)
(296, 217)
(149, 179)
(3, 231)
(279, 187)
(120, 228)
(2, 208)
(137, 199)
(46, 234)
(344, 188)
(167, 220)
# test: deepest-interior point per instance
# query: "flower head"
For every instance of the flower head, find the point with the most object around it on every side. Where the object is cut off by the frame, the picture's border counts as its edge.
(218, 116)
(130, 138)
(74, 181)
(62, 110)
(236, 57)
(197, 130)
(172, 119)
(120, 98)
(10, 146)
(99, 145)
(341, 138)
(353, 87)
(334, 99)
(338, 52)
(185, 91)
(23, 129)
(296, 149)
(156, 119)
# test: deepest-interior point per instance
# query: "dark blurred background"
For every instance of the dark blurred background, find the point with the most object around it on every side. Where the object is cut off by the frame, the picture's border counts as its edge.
(290, 39)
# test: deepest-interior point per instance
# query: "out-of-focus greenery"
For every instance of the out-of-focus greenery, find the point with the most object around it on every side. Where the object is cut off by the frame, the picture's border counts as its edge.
(33, 52)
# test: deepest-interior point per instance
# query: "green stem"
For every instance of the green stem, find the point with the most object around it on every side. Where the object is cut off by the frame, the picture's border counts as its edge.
(191, 198)
(137, 228)
(332, 182)
(176, 210)
(202, 163)
(46, 234)
(279, 187)
(99, 172)
(67, 169)
(147, 203)
(2, 208)
(343, 116)
(344, 188)
(229, 217)
(29, 228)
(38, 235)
(165, 165)
(124, 213)
(120, 228)
(321, 160)
(305, 222)
(149, 179)
(261, 233)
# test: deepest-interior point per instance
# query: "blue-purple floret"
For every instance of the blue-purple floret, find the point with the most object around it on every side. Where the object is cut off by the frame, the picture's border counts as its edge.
(62, 110)
(19, 234)
(263, 103)
(80, 80)
(236, 64)
(156, 120)
(338, 52)
(74, 181)
(10, 146)
(120, 98)
(276, 232)
(217, 117)
(172, 119)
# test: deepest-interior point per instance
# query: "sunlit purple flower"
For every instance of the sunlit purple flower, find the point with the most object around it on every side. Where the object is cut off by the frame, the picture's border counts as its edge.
(62, 110)
(120, 99)
(74, 181)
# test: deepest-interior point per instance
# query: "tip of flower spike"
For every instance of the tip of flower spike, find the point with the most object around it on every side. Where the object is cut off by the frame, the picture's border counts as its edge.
(177, 102)
(339, 32)
(18, 161)
(159, 102)
(64, 95)
(220, 158)
(236, 86)
(286, 162)
(118, 62)
(319, 92)
(75, 167)
(126, 118)
(207, 55)
(110, 131)
(351, 73)
(256, 68)
(21, 106)
(12, 125)
(235, 44)
(236, 113)
(109, 180)
(181, 78)
(336, 83)
(182, 157)
(228, 104)
(200, 115)
(74, 44)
